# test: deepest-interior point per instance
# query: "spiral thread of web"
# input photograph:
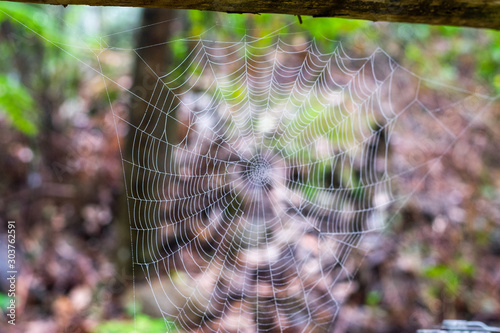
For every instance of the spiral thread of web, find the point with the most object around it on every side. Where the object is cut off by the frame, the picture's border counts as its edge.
(282, 165)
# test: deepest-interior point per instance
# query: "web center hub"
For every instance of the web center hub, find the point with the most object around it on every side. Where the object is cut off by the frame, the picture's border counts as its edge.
(258, 171)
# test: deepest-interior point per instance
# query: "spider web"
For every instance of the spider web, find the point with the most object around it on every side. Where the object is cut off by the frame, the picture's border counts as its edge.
(285, 158)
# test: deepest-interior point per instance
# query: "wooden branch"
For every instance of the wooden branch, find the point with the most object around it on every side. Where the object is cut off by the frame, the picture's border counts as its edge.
(471, 13)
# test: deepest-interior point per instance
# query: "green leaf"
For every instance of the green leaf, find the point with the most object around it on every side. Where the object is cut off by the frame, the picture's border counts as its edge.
(17, 104)
(33, 18)
(446, 276)
(466, 268)
(141, 324)
(496, 82)
(4, 301)
(373, 298)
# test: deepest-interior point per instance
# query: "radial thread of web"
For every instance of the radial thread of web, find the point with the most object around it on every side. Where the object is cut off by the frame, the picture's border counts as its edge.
(286, 158)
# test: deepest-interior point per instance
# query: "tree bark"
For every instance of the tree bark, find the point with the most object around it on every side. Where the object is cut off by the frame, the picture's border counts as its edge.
(472, 13)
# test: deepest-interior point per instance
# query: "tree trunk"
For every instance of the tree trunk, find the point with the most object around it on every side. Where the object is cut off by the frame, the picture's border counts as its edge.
(144, 132)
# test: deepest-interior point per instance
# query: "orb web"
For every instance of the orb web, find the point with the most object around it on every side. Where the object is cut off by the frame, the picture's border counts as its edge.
(286, 158)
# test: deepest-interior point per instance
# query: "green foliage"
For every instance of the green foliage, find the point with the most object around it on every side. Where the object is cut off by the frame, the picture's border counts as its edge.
(310, 192)
(444, 276)
(179, 49)
(334, 29)
(496, 83)
(142, 324)
(17, 104)
(33, 18)
(235, 26)
(373, 298)
(449, 278)
(4, 301)
(34, 65)
(442, 52)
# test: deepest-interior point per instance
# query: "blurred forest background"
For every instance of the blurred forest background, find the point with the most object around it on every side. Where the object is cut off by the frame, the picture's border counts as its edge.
(62, 180)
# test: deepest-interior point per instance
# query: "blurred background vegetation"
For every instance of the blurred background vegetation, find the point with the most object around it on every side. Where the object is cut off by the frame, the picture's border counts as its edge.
(62, 177)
